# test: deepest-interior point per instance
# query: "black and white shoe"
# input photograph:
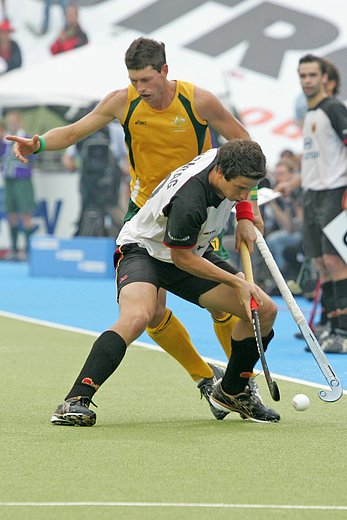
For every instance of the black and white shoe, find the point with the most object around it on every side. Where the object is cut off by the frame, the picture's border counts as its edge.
(74, 412)
(335, 343)
(254, 389)
(247, 404)
(322, 332)
(206, 386)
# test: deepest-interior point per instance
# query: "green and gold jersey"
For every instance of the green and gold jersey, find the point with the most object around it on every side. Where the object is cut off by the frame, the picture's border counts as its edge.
(159, 141)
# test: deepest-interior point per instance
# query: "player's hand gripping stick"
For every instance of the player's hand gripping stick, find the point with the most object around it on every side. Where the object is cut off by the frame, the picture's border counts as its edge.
(247, 266)
(244, 210)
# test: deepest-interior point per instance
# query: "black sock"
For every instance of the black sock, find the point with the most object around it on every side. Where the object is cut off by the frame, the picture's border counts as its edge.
(341, 298)
(105, 356)
(14, 238)
(331, 306)
(327, 292)
(240, 367)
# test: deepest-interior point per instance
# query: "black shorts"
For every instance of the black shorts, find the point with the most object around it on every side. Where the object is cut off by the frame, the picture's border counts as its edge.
(134, 264)
(320, 208)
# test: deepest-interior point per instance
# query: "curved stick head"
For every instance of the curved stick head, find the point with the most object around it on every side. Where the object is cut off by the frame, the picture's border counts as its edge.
(333, 381)
(274, 390)
(334, 394)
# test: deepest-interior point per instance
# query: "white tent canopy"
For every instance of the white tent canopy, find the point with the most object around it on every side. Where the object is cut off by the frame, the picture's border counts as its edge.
(72, 79)
(85, 75)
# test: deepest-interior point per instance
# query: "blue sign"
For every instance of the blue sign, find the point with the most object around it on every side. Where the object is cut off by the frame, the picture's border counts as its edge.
(89, 257)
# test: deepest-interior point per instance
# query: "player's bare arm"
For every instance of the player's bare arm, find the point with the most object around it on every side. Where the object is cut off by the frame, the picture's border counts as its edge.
(188, 261)
(245, 232)
(214, 112)
(287, 187)
(59, 138)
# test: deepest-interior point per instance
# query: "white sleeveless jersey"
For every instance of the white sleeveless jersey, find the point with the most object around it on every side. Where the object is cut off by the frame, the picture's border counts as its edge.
(324, 161)
(189, 187)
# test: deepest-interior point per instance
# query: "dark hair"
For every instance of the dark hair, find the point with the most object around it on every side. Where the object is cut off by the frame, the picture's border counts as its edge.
(311, 58)
(287, 152)
(145, 52)
(333, 75)
(241, 157)
(289, 164)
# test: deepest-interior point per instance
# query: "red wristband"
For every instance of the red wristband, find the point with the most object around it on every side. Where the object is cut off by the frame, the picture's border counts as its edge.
(244, 210)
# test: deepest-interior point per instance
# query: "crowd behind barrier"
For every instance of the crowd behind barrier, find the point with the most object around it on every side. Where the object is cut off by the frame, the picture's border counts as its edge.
(283, 217)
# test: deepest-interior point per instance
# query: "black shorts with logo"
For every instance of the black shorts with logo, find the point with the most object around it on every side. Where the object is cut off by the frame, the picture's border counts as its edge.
(320, 208)
(134, 264)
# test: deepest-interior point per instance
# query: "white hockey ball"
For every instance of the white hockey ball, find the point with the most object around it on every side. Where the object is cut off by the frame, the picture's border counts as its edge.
(300, 402)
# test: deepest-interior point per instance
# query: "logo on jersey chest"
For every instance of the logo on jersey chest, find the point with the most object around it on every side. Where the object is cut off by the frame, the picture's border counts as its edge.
(307, 143)
(180, 123)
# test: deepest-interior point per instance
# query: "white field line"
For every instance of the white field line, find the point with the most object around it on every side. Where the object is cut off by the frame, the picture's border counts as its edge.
(145, 345)
(174, 504)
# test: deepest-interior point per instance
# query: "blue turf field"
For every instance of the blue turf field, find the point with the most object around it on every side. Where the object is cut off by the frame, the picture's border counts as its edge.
(90, 304)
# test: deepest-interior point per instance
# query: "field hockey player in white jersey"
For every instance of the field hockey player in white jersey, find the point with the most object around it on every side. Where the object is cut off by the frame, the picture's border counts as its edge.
(166, 245)
(324, 181)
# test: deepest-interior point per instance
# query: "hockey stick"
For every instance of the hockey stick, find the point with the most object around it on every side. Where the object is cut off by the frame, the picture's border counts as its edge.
(315, 305)
(312, 316)
(335, 385)
(247, 266)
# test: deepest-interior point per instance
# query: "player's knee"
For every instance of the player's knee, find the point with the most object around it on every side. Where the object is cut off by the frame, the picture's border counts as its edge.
(139, 321)
(158, 316)
(218, 315)
(270, 310)
(273, 310)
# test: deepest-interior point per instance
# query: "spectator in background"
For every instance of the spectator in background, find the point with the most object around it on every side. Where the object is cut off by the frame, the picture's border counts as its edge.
(102, 161)
(43, 29)
(294, 158)
(10, 53)
(2, 134)
(287, 215)
(288, 184)
(18, 189)
(331, 85)
(283, 222)
(72, 36)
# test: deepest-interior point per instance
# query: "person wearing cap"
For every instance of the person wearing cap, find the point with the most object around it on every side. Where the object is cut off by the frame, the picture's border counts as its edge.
(72, 36)
(10, 53)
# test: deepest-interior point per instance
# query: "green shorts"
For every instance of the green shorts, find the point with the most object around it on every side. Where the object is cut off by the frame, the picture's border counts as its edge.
(19, 196)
